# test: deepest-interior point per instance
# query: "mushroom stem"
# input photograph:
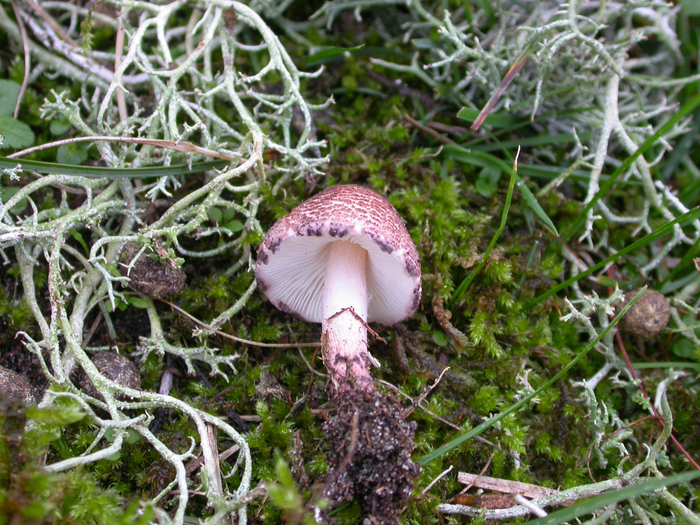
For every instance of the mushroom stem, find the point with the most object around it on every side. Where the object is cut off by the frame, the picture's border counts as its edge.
(344, 303)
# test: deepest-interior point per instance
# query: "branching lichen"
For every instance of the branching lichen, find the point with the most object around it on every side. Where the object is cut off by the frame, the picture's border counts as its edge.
(204, 89)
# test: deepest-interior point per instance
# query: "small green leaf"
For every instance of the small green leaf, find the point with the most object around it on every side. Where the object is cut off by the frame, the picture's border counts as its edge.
(133, 437)
(535, 206)
(6, 193)
(74, 153)
(137, 301)
(79, 237)
(215, 215)
(234, 226)
(439, 338)
(487, 182)
(229, 213)
(118, 303)
(15, 134)
(326, 54)
(59, 125)
(9, 92)
(684, 348)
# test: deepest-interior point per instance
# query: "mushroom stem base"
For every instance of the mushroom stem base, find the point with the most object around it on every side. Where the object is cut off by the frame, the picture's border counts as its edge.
(344, 337)
(346, 359)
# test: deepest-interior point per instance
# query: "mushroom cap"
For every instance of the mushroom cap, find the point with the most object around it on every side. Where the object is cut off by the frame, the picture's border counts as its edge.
(291, 264)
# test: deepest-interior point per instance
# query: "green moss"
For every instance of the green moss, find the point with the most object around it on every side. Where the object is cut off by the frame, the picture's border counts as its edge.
(29, 494)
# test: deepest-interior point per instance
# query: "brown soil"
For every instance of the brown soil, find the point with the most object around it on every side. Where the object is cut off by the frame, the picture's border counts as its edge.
(369, 455)
(113, 366)
(648, 317)
(153, 277)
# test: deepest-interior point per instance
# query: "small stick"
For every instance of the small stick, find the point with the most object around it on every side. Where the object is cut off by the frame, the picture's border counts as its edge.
(364, 323)
(233, 337)
(51, 22)
(410, 410)
(92, 330)
(470, 485)
(425, 394)
(27, 63)
(118, 52)
(183, 146)
(308, 365)
(442, 475)
(505, 486)
(193, 465)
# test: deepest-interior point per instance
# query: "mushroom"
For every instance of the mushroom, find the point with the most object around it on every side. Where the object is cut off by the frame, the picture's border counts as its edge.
(343, 258)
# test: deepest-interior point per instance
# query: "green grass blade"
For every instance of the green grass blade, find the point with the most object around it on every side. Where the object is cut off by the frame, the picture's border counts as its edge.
(684, 111)
(531, 201)
(326, 54)
(497, 120)
(599, 502)
(544, 139)
(656, 234)
(483, 159)
(474, 157)
(504, 216)
(522, 123)
(670, 364)
(483, 426)
(111, 173)
(551, 172)
(686, 263)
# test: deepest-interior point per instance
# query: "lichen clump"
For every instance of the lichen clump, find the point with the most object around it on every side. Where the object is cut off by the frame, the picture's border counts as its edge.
(647, 317)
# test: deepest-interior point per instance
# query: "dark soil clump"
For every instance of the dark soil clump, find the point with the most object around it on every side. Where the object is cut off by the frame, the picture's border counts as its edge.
(150, 276)
(115, 367)
(648, 317)
(14, 386)
(369, 455)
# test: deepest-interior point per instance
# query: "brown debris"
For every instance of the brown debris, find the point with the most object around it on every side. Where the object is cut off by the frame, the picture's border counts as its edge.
(369, 455)
(648, 317)
(114, 367)
(152, 277)
(16, 387)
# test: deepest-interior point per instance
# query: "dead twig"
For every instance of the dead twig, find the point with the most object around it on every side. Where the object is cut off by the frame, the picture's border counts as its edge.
(364, 323)
(27, 62)
(233, 337)
(185, 147)
(486, 467)
(41, 13)
(440, 476)
(118, 52)
(505, 486)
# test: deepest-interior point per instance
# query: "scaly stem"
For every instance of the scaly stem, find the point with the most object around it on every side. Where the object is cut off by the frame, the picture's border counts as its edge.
(344, 332)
